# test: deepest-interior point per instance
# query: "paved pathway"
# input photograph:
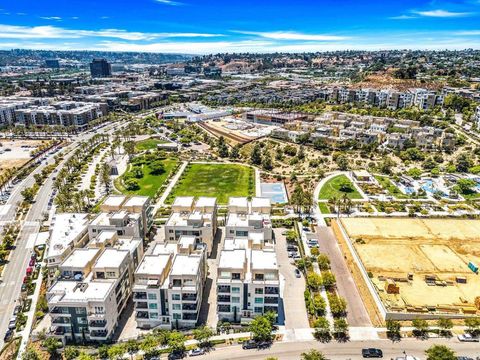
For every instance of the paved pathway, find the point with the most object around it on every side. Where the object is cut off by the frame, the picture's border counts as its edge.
(169, 188)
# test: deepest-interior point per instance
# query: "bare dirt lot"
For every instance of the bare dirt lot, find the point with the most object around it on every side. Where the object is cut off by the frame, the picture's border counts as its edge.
(438, 248)
(18, 154)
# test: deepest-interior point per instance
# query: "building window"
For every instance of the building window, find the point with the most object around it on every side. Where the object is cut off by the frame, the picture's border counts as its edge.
(153, 306)
(170, 231)
(235, 276)
(152, 296)
(224, 274)
(235, 299)
(176, 306)
(242, 233)
(258, 300)
(258, 291)
(99, 310)
(259, 277)
(177, 316)
(235, 290)
(232, 232)
(111, 274)
(175, 296)
(153, 315)
(258, 310)
(80, 310)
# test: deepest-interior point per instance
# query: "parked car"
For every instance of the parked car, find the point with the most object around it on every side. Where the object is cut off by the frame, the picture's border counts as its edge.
(197, 352)
(264, 344)
(25, 279)
(176, 355)
(8, 335)
(12, 324)
(249, 344)
(464, 358)
(467, 338)
(372, 353)
(32, 262)
(17, 309)
(298, 274)
(29, 271)
(292, 248)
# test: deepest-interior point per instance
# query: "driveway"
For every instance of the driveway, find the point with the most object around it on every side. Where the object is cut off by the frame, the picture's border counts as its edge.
(292, 288)
(357, 314)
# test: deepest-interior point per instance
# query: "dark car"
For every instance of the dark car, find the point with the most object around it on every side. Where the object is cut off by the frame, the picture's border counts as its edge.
(372, 353)
(17, 309)
(249, 344)
(8, 335)
(176, 355)
(464, 358)
(264, 344)
(32, 262)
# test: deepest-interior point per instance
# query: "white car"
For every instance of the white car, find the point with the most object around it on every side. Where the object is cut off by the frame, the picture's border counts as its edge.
(467, 338)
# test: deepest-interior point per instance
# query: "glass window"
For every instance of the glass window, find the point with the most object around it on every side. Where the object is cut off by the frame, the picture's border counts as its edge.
(177, 316)
(258, 310)
(258, 300)
(235, 290)
(235, 299)
(153, 306)
(175, 296)
(153, 315)
(258, 291)
(176, 306)
(224, 274)
(152, 296)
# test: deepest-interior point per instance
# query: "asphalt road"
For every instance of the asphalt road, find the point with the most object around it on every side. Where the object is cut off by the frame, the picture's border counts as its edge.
(356, 313)
(335, 350)
(15, 269)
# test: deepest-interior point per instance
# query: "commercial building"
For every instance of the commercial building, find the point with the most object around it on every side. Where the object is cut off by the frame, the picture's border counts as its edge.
(193, 218)
(169, 285)
(52, 63)
(100, 68)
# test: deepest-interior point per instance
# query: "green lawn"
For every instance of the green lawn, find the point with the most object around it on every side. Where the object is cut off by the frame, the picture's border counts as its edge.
(217, 180)
(324, 208)
(331, 189)
(148, 144)
(149, 184)
(385, 182)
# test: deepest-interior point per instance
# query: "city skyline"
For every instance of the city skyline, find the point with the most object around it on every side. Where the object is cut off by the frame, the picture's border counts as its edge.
(192, 27)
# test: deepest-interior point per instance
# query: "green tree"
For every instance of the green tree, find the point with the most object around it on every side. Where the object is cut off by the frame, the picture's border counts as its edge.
(342, 162)
(267, 161)
(463, 162)
(71, 353)
(132, 347)
(465, 186)
(261, 328)
(157, 167)
(203, 334)
(30, 354)
(440, 352)
(421, 327)
(28, 194)
(445, 325)
(176, 342)
(340, 327)
(322, 329)
(116, 351)
(131, 184)
(52, 345)
(473, 325)
(256, 155)
(323, 262)
(314, 281)
(85, 356)
(328, 279)
(313, 355)
(393, 329)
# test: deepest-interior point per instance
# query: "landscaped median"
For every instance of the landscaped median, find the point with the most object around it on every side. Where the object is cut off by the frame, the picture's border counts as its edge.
(217, 180)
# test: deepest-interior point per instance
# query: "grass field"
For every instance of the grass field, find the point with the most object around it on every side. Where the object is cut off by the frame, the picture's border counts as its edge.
(385, 182)
(148, 144)
(149, 184)
(217, 180)
(331, 189)
(324, 208)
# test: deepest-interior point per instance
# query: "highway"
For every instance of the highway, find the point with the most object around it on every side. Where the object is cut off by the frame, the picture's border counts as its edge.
(14, 271)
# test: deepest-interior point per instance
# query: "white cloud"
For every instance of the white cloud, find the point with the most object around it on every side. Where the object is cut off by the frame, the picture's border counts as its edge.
(53, 32)
(403, 17)
(291, 35)
(169, 2)
(442, 13)
(56, 18)
(468, 33)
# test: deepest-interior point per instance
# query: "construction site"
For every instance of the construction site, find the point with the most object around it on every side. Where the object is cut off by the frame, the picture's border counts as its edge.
(415, 267)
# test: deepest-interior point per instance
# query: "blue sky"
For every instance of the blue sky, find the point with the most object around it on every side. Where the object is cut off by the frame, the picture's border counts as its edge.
(211, 26)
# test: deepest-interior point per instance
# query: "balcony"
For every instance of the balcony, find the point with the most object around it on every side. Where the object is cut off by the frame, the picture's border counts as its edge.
(223, 289)
(140, 296)
(97, 324)
(270, 300)
(142, 315)
(223, 298)
(58, 330)
(59, 310)
(189, 307)
(190, 317)
(102, 334)
(223, 308)
(189, 297)
(270, 290)
(270, 308)
(141, 305)
(96, 316)
(61, 321)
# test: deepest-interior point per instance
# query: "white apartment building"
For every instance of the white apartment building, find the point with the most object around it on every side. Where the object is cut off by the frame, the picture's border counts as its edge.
(93, 288)
(169, 285)
(67, 232)
(477, 117)
(248, 281)
(122, 222)
(140, 205)
(193, 218)
(249, 219)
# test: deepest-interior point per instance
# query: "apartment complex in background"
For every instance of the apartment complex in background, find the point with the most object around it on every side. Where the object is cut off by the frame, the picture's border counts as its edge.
(93, 287)
(169, 285)
(193, 218)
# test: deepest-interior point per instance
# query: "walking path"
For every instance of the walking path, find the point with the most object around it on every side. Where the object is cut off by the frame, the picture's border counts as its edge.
(169, 188)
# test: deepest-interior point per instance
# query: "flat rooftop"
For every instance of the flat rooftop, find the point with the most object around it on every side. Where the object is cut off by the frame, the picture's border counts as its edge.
(114, 200)
(204, 201)
(111, 258)
(66, 229)
(70, 291)
(185, 265)
(79, 258)
(184, 201)
(264, 260)
(232, 259)
(136, 201)
(153, 264)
